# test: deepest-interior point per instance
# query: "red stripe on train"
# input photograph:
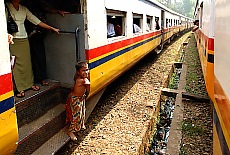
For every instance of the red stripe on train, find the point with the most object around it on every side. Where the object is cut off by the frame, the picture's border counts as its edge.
(211, 44)
(6, 83)
(99, 51)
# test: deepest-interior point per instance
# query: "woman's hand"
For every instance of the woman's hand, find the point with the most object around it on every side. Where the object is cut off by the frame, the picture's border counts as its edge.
(63, 12)
(10, 39)
(55, 30)
(44, 25)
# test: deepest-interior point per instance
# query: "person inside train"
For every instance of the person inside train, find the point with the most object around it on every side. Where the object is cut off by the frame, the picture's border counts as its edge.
(72, 6)
(136, 29)
(157, 24)
(147, 27)
(36, 36)
(110, 28)
(117, 28)
(22, 72)
(196, 25)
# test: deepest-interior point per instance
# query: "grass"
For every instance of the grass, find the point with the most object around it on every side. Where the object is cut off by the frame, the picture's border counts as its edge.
(191, 129)
(183, 151)
(194, 74)
(173, 83)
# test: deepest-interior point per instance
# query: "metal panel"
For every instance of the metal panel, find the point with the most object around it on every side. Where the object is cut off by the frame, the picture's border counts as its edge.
(64, 50)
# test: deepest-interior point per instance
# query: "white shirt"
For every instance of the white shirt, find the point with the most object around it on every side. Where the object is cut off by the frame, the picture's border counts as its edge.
(137, 29)
(110, 30)
(19, 17)
(147, 27)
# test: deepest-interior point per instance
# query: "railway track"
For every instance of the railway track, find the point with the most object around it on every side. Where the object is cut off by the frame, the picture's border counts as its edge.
(121, 119)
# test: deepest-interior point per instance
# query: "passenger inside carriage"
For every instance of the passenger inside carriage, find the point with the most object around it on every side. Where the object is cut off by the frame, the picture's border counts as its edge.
(110, 28)
(72, 6)
(136, 27)
(157, 23)
(117, 28)
(114, 26)
(196, 25)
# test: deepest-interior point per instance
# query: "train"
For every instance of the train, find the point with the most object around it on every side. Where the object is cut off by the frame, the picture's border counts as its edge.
(212, 39)
(83, 37)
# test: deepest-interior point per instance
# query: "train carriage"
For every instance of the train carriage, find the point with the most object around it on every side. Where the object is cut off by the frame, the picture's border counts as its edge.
(83, 37)
(205, 41)
(221, 80)
(108, 57)
(213, 35)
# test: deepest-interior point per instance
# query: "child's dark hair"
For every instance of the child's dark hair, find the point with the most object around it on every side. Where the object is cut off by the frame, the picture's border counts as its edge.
(80, 64)
(195, 22)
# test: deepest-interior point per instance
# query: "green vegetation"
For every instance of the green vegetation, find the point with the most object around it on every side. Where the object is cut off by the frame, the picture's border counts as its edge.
(192, 129)
(173, 83)
(194, 77)
(182, 151)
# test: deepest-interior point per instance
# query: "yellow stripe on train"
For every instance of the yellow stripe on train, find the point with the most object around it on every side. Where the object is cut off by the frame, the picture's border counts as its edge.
(107, 72)
(222, 124)
(8, 131)
(6, 95)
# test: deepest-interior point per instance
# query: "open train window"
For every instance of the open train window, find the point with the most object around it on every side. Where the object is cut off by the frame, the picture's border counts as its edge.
(149, 23)
(137, 23)
(115, 23)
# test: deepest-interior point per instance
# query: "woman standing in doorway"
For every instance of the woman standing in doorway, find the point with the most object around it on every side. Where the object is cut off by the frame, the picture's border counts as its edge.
(22, 72)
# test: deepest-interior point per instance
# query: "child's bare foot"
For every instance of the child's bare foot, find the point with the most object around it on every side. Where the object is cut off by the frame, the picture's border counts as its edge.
(83, 127)
(72, 136)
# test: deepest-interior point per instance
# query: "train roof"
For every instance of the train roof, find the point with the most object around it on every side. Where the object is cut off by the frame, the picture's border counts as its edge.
(158, 4)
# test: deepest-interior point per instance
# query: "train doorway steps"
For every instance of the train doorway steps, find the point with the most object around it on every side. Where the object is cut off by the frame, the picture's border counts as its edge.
(41, 120)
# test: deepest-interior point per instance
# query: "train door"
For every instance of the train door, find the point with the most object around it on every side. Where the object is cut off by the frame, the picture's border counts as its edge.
(65, 49)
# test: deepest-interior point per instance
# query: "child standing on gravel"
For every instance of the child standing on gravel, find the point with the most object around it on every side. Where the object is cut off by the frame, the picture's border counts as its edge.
(75, 104)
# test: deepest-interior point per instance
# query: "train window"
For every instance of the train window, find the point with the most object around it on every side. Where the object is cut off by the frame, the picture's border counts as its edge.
(201, 14)
(149, 23)
(137, 23)
(115, 23)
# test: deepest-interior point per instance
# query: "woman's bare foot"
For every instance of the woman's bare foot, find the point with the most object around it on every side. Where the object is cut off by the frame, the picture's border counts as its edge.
(72, 136)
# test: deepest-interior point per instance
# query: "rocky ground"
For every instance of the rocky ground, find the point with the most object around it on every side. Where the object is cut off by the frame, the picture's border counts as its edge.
(197, 122)
(119, 121)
